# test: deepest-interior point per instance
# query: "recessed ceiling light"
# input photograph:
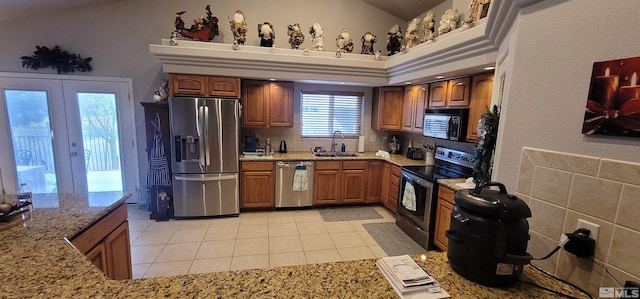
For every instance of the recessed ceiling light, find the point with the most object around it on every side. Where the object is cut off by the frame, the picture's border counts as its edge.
(439, 77)
(272, 79)
(488, 68)
(342, 83)
(408, 83)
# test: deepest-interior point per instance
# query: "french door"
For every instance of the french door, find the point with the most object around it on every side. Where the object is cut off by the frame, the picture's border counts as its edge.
(67, 135)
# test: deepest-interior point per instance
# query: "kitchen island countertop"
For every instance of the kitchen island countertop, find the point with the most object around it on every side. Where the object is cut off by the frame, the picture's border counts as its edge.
(39, 263)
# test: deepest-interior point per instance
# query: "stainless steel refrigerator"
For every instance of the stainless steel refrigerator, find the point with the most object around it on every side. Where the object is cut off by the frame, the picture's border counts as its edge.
(205, 141)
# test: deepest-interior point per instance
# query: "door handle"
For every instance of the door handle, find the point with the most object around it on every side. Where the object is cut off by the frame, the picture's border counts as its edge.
(73, 154)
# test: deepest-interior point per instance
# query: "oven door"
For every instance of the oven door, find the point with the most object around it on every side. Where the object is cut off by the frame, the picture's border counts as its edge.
(415, 201)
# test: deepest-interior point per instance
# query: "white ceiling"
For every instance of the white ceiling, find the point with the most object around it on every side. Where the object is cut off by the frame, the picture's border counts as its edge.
(17, 9)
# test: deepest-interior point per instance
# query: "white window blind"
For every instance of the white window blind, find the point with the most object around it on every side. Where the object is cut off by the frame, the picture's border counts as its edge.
(323, 112)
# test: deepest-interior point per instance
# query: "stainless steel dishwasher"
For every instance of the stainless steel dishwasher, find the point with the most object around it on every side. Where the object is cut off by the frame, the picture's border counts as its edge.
(294, 184)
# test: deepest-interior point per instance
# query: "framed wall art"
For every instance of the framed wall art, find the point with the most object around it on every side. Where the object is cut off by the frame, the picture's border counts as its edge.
(613, 103)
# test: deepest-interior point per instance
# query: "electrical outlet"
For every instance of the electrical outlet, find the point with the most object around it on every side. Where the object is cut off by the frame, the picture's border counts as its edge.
(373, 138)
(592, 227)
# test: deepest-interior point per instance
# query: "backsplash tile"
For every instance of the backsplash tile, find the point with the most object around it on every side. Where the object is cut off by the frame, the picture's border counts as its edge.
(629, 211)
(595, 197)
(563, 188)
(548, 219)
(563, 161)
(621, 171)
(551, 185)
(525, 177)
(624, 250)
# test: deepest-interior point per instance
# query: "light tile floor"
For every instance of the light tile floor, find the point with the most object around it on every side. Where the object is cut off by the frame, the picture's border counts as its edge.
(250, 241)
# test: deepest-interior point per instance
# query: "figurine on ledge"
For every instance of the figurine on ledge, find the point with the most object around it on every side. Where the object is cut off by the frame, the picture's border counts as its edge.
(203, 28)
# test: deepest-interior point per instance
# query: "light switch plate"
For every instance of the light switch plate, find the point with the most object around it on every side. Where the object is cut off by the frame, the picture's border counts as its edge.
(372, 138)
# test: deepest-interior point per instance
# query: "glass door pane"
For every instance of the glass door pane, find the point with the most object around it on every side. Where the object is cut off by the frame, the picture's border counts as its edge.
(100, 142)
(30, 130)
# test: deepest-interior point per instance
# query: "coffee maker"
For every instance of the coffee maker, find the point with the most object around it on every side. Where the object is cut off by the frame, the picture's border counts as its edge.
(394, 145)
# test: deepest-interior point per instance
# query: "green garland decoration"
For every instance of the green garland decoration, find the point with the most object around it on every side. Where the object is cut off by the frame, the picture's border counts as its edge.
(487, 136)
(56, 58)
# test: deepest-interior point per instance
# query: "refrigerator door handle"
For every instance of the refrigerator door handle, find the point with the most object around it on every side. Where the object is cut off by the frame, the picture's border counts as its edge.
(201, 135)
(200, 178)
(206, 133)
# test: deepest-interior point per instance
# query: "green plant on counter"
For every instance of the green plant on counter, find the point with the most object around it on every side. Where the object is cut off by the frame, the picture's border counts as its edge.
(487, 135)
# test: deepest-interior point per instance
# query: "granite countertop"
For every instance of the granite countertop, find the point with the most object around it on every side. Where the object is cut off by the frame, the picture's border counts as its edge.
(37, 262)
(398, 159)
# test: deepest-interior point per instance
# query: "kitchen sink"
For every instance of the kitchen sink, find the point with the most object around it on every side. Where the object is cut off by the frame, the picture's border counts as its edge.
(336, 154)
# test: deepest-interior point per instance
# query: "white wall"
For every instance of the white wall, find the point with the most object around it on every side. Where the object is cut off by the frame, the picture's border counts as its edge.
(117, 35)
(551, 60)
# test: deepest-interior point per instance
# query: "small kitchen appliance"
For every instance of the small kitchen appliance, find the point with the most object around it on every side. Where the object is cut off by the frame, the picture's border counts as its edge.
(488, 235)
(250, 144)
(415, 153)
(283, 147)
(394, 145)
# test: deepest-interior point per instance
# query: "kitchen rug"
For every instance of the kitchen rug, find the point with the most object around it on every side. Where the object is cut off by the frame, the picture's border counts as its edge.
(348, 214)
(392, 240)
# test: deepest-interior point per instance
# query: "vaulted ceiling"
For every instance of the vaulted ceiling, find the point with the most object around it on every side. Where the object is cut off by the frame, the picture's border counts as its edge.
(17, 9)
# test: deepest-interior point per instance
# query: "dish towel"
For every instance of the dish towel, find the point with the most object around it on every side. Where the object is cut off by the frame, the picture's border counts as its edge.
(300, 182)
(409, 197)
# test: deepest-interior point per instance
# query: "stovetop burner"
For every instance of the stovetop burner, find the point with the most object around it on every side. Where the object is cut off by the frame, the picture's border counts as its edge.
(449, 164)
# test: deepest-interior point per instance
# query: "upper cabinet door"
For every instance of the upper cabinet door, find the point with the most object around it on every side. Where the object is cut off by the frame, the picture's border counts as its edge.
(409, 107)
(187, 84)
(438, 94)
(255, 101)
(228, 87)
(387, 108)
(281, 104)
(481, 90)
(421, 101)
(458, 94)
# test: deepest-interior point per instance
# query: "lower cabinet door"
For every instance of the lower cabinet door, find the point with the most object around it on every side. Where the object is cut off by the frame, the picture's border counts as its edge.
(98, 257)
(119, 253)
(443, 221)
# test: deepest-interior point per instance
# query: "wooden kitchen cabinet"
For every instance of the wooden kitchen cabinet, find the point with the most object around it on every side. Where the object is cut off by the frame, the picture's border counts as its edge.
(389, 187)
(481, 89)
(415, 100)
(387, 108)
(337, 182)
(257, 184)
(449, 93)
(202, 85)
(106, 244)
(373, 182)
(267, 103)
(444, 208)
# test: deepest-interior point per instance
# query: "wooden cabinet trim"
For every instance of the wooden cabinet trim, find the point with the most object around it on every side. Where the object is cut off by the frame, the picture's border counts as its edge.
(257, 166)
(446, 194)
(118, 251)
(94, 234)
(354, 165)
(327, 165)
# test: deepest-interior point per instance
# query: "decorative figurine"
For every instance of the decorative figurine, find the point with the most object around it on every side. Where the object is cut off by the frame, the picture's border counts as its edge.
(317, 36)
(377, 55)
(267, 35)
(296, 38)
(428, 24)
(163, 203)
(394, 40)
(449, 21)
(344, 42)
(161, 94)
(368, 39)
(412, 32)
(174, 38)
(238, 27)
(203, 28)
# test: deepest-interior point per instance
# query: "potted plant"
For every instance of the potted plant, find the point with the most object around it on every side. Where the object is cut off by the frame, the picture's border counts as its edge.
(487, 135)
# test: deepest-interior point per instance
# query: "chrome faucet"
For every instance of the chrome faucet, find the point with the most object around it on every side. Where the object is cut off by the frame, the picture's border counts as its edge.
(333, 142)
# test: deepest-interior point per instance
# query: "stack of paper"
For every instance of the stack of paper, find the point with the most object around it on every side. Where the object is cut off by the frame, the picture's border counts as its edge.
(408, 278)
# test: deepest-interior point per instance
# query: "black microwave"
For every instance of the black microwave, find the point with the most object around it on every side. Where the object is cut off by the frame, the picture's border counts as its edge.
(450, 124)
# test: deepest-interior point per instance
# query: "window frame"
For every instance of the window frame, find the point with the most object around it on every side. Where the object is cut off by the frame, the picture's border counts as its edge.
(333, 93)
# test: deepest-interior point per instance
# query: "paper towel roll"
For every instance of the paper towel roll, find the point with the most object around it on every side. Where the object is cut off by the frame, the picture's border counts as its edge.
(361, 144)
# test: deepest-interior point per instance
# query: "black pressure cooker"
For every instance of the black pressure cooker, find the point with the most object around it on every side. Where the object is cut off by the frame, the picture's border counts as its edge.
(488, 235)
